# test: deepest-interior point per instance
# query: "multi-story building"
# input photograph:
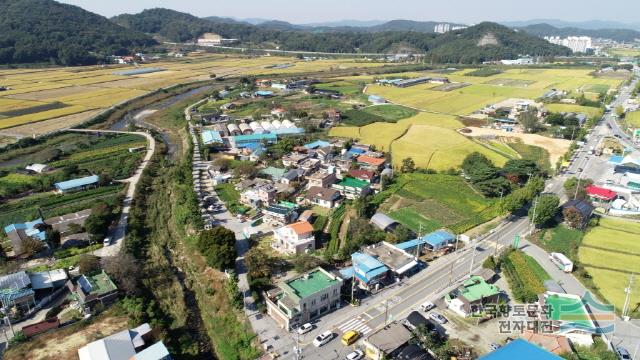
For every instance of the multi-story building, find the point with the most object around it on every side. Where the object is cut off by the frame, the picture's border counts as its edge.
(577, 44)
(352, 188)
(298, 300)
(321, 179)
(472, 295)
(294, 239)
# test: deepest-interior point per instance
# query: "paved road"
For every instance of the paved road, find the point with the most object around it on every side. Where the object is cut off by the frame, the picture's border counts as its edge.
(117, 233)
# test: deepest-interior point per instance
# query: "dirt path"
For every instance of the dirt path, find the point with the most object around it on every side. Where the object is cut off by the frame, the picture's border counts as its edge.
(556, 147)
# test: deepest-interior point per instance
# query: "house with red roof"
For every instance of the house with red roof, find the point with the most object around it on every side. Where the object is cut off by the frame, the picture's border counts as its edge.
(371, 163)
(362, 174)
(600, 194)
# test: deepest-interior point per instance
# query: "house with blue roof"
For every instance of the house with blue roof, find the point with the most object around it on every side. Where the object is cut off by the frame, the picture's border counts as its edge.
(317, 144)
(522, 350)
(368, 271)
(210, 137)
(19, 233)
(434, 241)
(77, 184)
(253, 140)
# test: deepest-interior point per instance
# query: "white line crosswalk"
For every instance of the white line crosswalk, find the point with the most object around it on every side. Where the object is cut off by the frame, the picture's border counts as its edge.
(356, 324)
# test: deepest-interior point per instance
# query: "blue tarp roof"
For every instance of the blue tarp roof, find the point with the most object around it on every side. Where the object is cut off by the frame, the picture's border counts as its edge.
(434, 239)
(71, 184)
(317, 144)
(347, 273)
(356, 151)
(439, 237)
(367, 267)
(210, 137)
(255, 137)
(616, 159)
(29, 225)
(521, 350)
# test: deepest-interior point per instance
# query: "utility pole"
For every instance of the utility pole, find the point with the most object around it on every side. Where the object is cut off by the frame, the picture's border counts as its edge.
(473, 257)
(386, 311)
(419, 239)
(533, 218)
(627, 300)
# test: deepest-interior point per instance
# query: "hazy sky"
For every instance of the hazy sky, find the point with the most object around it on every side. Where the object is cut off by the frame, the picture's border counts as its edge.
(306, 11)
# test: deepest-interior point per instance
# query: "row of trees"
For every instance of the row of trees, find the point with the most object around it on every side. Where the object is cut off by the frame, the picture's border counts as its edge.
(493, 181)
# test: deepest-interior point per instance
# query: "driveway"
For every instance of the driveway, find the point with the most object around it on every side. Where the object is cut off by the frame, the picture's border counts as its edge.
(118, 233)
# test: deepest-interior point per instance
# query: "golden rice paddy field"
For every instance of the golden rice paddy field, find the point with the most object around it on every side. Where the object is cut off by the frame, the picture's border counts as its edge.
(62, 97)
(430, 137)
(483, 91)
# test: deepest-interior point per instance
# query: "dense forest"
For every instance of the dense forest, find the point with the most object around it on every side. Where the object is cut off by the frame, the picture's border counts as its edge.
(46, 31)
(453, 47)
(613, 34)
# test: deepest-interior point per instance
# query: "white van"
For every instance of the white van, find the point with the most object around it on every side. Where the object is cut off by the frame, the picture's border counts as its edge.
(106, 242)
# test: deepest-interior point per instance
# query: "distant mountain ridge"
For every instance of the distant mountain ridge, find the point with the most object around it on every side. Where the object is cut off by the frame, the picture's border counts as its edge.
(468, 45)
(585, 25)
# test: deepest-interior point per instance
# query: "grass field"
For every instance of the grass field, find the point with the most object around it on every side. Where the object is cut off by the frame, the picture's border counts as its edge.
(590, 111)
(391, 113)
(436, 201)
(633, 119)
(437, 148)
(624, 52)
(430, 139)
(610, 252)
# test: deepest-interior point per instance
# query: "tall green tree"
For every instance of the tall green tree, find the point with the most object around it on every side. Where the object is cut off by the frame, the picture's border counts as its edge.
(218, 247)
(408, 165)
(544, 209)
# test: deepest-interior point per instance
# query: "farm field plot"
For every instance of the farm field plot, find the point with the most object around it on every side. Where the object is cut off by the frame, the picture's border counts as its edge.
(590, 111)
(555, 147)
(609, 253)
(437, 148)
(391, 112)
(624, 52)
(633, 119)
(49, 114)
(437, 201)
(510, 82)
(50, 125)
(383, 134)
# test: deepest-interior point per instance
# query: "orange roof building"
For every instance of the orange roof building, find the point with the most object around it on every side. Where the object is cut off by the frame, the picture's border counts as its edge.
(294, 239)
(556, 344)
(371, 161)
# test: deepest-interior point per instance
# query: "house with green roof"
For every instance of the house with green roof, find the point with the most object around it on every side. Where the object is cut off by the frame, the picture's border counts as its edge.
(303, 298)
(93, 289)
(472, 295)
(352, 188)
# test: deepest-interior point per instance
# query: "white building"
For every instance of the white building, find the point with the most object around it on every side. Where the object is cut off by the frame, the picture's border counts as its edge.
(294, 239)
(211, 39)
(443, 28)
(577, 44)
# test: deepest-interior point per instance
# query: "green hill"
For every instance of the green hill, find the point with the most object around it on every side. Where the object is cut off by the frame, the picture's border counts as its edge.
(35, 31)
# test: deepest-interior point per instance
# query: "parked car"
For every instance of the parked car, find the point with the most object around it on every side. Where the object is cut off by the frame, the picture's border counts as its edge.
(106, 242)
(350, 337)
(305, 328)
(427, 306)
(494, 346)
(323, 338)
(356, 355)
(623, 354)
(438, 318)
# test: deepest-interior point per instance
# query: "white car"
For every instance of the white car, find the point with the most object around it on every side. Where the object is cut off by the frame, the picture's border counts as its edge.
(106, 242)
(356, 355)
(427, 306)
(438, 318)
(305, 328)
(323, 338)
